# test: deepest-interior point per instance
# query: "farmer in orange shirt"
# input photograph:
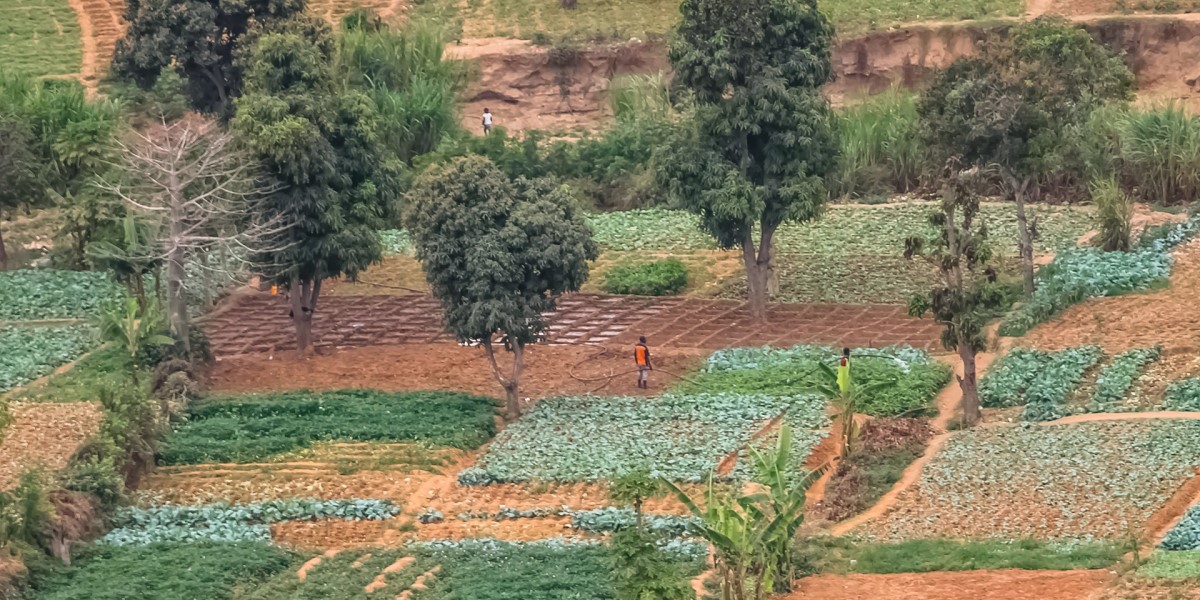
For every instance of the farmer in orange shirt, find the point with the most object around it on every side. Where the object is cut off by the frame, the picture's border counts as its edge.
(641, 356)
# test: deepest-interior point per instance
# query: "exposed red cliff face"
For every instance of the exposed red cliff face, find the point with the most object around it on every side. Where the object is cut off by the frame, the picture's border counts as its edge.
(526, 91)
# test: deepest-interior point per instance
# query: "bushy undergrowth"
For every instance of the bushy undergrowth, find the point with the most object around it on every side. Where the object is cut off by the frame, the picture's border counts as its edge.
(27, 353)
(169, 571)
(105, 368)
(1039, 380)
(885, 448)
(250, 428)
(915, 377)
(1183, 395)
(233, 523)
(882, 151)
(680, 437)
(1118, 376)
(29, 294)
(659, 278)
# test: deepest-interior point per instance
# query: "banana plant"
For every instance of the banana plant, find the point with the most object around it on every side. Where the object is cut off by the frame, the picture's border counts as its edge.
(752, 532)
(133, 328)
(846, 402)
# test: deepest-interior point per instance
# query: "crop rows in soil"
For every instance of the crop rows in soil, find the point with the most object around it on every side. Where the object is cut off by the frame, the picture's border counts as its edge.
(44, 435)
(106, 28)
(260, 323)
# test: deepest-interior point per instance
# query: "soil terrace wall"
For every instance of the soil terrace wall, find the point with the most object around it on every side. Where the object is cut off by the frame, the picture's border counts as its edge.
(519, 84)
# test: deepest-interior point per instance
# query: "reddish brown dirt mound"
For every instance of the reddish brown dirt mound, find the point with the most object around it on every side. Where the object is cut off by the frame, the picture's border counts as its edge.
(260, 323)
(976, 585)
(44, 436)
(448, 366)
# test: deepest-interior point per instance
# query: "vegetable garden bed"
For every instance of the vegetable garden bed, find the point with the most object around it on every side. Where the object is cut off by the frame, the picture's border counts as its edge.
(38, 294)
(31, 352)
(681, 437)
(1085, 481)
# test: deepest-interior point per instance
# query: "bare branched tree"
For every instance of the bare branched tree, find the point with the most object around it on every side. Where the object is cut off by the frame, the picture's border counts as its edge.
(198, 194)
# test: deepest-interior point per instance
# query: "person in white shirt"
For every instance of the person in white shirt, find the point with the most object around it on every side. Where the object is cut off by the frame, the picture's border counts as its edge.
(487, 121)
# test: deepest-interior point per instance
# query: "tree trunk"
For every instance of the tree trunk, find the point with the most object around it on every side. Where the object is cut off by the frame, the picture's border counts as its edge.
(511, 384)
(304, 296)
(1025, 239)
(758, 276)
(176, 282)
(3, 252)
(970, 392)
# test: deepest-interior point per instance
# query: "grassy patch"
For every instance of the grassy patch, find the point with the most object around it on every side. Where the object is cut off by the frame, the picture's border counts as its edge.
(255, 427)
(40, 37)
(211, 571)
(1172, 565)
(525, 572)
(928, 555)
(917, 378)
(858, 16)
(104, 368)
(886, 447)
(664, 277)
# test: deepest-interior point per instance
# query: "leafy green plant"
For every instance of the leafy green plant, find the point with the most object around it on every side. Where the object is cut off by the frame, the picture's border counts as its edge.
(134, 327)
(26, 512)
(233, 523)
(29, 294)
(1118, 376)
(664, 277)
(31, 352)
(1186, 534)
(197, 570)
(1183, 395)
(254, 427)
(1041, 381)
(678, 437)
(752, 534)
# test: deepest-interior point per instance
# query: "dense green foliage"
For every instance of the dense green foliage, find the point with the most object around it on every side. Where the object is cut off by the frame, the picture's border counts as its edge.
(204, 41)
(1172, 565)
(1039, 380)
(885, 448)
(51, 294)
(914, 376)
(233, 523)
(882, 150)
(648, 229)
(1076, 275)
(1119, 375)
(1115, 215)
(1084, 481)
(105, 368)
(168, 571)
(31, 352)
(251, 428)
(762, 139)
(680, 437)
(1154, 152)
(658, 278)
(1183, 395)
(925, 556)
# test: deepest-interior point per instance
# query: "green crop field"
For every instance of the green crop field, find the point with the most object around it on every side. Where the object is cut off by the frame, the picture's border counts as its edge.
(39, 37)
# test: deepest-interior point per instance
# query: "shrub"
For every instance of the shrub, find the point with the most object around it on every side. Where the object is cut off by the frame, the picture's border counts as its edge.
(96, 474)
(664, 277)
(26, 513)
(1114, 211)
(1160, 150)
(250, 428)
(169, 571)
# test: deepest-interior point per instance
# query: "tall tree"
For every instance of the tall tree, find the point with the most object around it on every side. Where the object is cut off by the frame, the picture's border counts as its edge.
(17, 167)
(497, 253)
(320, 142)
(197, 196)
(755, 153)
(201, 39)
(1010, 106)
(967, 295)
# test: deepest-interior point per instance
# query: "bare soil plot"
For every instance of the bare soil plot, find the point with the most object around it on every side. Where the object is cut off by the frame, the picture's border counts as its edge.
(259, 323)
(978, 585)
(44, 435)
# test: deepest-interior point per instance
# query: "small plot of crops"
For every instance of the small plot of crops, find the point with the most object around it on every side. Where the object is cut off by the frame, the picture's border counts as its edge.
(1052, 385)
(680, 437)
(40, 37)
(31, 352)
(252, 428)
(1062, 482)
(32, 294)
(914, 376)
(1186, 534)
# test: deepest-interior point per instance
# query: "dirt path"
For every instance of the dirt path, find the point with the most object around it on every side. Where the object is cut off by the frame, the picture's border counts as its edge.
(88, 72)
(1037, 8)
(1140, 416)
(1167, 517)
(1007, 584)
(947, 402)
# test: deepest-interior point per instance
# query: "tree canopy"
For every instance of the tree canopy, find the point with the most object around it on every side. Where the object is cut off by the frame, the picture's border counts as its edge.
(201, 39)
(762, 138)
(497, 253)
(320, 141)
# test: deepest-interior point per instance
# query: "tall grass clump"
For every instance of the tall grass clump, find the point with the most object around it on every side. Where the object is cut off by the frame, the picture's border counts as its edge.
(1160, 152)
(407, 75)
(1114, 211)
(640, 96)
(881, 147)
